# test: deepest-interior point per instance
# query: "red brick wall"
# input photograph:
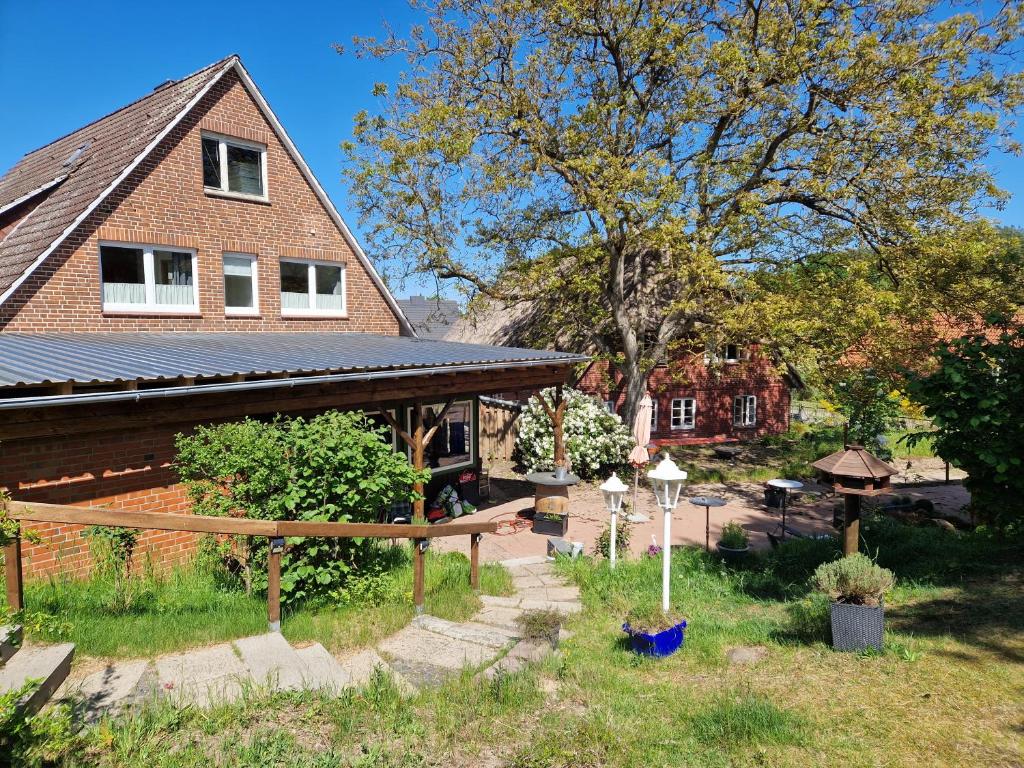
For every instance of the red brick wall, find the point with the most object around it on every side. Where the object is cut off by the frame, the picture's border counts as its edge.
(163, 203)
(712, 388)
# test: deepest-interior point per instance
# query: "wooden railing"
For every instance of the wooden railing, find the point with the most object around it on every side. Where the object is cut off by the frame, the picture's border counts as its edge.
(275, 530)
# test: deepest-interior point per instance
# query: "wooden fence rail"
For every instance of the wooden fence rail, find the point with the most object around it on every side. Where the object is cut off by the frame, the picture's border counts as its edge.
(275, 530)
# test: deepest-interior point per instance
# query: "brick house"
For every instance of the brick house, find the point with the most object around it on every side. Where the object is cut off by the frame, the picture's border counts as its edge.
(175, 263)
(741, 396)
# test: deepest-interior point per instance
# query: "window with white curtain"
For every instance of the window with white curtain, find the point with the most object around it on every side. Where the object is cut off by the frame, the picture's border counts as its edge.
(234, 166)
(314, 288)
(148, 278)
(684, 413)
(744, 411)
(241, 287)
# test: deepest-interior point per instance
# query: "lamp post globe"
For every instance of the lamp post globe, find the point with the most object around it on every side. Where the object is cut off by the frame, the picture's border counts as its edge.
(613, 490)
(667, 482)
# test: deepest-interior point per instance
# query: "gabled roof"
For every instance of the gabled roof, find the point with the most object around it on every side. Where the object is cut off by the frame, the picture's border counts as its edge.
(432, 318)
(54, 188)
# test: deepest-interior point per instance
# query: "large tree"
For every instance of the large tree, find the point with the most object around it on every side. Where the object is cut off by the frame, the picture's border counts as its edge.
(635, 160)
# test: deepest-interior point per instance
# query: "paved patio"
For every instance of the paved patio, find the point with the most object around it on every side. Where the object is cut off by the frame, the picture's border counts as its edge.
(588, 516)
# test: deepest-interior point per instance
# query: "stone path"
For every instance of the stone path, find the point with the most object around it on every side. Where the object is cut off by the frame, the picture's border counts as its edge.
(425, 652)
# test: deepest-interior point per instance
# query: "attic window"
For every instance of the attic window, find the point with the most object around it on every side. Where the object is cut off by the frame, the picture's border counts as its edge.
(234, 166)
(146, 278)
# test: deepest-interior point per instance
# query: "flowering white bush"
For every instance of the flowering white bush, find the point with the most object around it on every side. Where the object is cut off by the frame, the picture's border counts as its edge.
(595, 439)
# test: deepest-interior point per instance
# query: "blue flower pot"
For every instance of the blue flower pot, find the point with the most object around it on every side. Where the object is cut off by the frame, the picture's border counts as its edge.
(664, 643)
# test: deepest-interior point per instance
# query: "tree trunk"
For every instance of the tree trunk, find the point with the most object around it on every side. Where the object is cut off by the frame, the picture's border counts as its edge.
(634, 385)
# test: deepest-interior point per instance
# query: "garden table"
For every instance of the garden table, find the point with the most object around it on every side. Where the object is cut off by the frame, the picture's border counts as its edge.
(785, 486)
(707, 502)
(547, 484)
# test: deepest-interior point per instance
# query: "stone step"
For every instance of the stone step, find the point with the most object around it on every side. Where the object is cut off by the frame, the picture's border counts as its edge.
(499, 616)
(323, 671)
(526, 603)
(562, 606)
(112, 690)
(10, 641)
(204, 677)
(557, 594)
(272, 662)
(361, 666)
(517, 561)
(470, 633)
(426, 657)
(46, 665)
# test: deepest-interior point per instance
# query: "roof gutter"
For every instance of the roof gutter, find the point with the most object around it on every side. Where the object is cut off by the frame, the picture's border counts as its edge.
(53, 401)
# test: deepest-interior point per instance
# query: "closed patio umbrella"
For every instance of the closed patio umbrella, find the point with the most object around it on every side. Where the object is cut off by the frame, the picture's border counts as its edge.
(639, 457)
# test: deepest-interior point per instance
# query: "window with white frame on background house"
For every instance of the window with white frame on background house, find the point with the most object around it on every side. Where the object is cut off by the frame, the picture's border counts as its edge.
(654, 415)
(609, 405)
(684, 413)
(241, 285)
(312, 288)
(148, 278)
(234, 166)
(744, 410)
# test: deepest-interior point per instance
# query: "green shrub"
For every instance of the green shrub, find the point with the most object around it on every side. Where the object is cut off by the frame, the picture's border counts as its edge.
(623, 534)
(733, 536)
(335, 467)
(854, 579)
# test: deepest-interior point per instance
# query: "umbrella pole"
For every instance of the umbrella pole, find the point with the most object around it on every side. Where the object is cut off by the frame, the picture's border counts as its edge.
(636, 484)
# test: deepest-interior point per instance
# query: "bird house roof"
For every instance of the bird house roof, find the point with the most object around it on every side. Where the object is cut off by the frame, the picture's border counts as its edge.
(854, 462)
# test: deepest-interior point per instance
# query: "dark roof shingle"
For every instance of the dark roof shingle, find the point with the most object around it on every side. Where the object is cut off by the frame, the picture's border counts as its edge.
(108, 146)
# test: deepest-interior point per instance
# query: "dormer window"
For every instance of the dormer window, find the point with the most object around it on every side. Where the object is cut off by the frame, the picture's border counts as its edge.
(234, 167)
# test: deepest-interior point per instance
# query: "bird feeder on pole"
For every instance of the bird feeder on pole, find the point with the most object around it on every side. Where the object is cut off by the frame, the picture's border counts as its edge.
(854, 473)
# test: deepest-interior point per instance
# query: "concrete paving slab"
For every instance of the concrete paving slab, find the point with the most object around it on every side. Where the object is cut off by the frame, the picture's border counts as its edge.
(551, 605)
(485, 636)
(204, 677)
(323, 672)
(49, 664)
(511, 634)
(499, 616)
(111, 690)
(527, 581)
(272, 662)
(531, 560)
(10, 641)
(502, 601)
(361, 666)
(419, 646)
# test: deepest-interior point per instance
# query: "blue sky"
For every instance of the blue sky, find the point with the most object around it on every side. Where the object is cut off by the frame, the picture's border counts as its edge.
(64, 63)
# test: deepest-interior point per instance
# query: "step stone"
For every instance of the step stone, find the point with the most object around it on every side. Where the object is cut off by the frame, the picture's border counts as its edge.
(10, 641)
(499, 616)
(114, 689)
(517, 561)
(49, 664)
(511, 635)
(205, 677)
(361, 666)
(528, 581)
(551, 605)
(323, 671)
(272, 662)
(470, 634)
(416, 645)
(500, 601)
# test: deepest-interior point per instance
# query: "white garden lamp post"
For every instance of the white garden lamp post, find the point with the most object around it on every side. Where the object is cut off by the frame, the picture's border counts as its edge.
(613, 490)
(667, 481)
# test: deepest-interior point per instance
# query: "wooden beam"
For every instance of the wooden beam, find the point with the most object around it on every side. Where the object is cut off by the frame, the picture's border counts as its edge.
(418, 506)
(393, 423)
(438, 421)
(274, 588)
(474, 561)
(383, 530)
(851, 524)
(418, 574)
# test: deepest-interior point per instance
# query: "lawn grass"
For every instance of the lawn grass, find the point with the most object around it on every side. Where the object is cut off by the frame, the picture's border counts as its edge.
(945, 692)
(196, 605)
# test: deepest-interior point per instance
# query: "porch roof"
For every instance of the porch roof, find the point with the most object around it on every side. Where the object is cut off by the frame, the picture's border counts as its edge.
(31, 360)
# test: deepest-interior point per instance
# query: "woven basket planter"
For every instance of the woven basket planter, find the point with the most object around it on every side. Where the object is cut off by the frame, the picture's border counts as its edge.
(857, 627)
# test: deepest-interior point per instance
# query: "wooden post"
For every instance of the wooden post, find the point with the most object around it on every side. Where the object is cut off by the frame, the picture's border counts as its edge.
(274, 585)
(851, 525)
(417, 574)
(12, 570)
(418, 506)
(474, 561)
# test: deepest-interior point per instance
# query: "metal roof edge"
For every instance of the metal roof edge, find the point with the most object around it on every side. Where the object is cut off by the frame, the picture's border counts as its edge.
(52, 401)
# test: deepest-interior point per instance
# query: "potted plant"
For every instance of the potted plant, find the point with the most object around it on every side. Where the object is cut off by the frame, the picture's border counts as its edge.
(734, 543)
(857, 587)
(550, 523)
(653, 632)
(541, 624)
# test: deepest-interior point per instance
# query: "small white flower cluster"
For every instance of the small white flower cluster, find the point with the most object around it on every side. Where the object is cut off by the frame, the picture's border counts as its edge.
(595, 439)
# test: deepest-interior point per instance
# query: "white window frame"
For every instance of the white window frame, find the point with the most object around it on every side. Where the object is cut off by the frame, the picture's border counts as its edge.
(472, 435)
(243, 311)
(679, 419)
(609, 405)
(225, 142)
(734, 359)
(744, 411)
(312, 310)
(654, 415)
(150, 307)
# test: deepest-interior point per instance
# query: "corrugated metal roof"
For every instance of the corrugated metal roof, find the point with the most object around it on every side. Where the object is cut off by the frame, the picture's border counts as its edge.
(33, 359)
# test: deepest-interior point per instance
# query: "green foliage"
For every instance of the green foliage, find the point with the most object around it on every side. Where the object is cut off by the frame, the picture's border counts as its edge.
(34, 740)
(854, 579)
(746, 720)
(335, 467)
(973, 398)
(596, 441)
(649, 618)
(871, 407)
(543, 623)
(733, 536)
(623, 534)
